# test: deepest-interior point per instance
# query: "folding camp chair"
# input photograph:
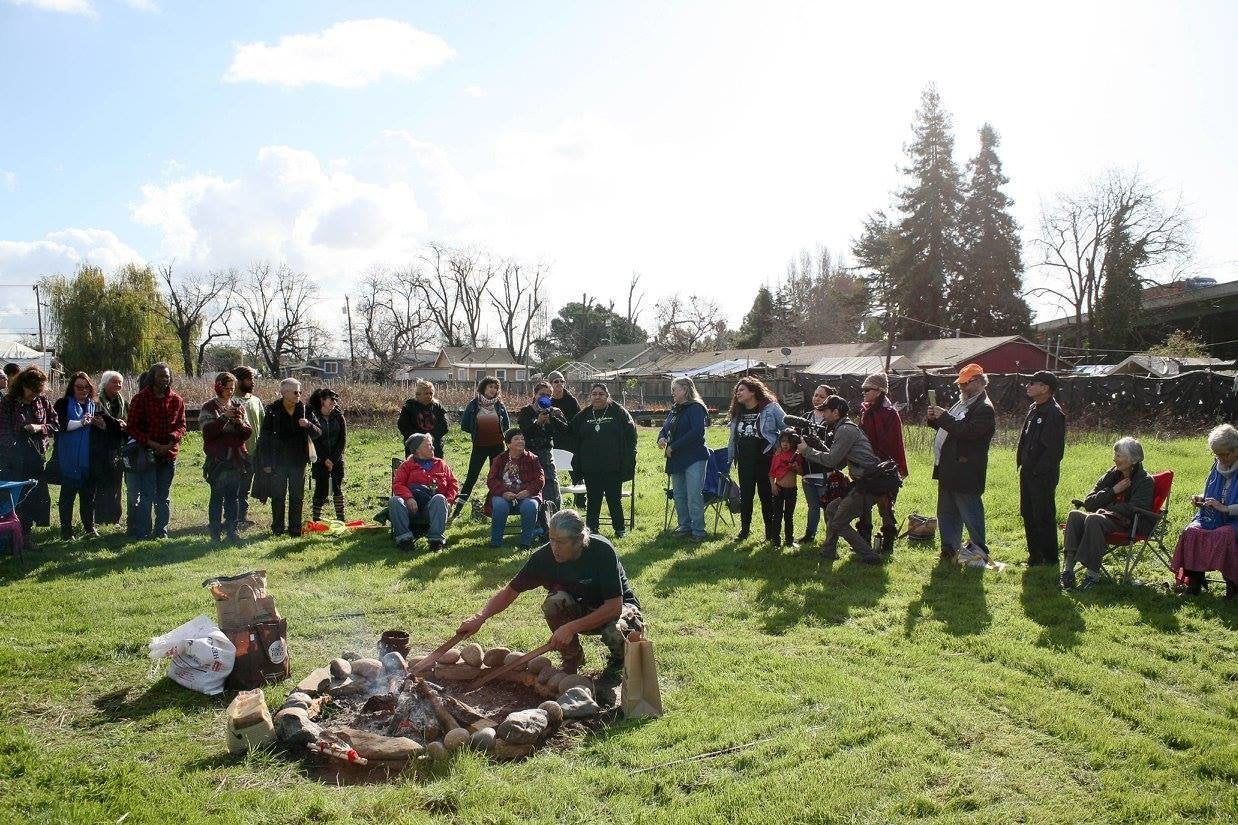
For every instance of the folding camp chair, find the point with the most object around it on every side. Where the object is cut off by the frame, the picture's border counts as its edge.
(563, 466)
(1146, 535)
(717, 465)
(11, 534)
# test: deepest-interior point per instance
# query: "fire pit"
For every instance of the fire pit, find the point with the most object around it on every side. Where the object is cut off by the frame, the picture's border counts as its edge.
(363, 717)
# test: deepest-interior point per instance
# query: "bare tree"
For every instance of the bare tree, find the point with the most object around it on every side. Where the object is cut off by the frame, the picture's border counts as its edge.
(519, 302)
(198, 307)
(394, 320)
(275, 304)
(688, 325)
(1076, 231)
(635, 300)
(439, 295)
(472, 272)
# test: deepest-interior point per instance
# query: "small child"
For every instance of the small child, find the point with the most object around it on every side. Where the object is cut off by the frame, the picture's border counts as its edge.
(785, 465)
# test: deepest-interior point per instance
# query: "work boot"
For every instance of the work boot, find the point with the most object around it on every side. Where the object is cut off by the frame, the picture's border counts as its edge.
(885, 544)
(456, 509)
(829, 551)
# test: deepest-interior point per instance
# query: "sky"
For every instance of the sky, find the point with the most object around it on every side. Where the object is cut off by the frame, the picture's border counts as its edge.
(701, 144)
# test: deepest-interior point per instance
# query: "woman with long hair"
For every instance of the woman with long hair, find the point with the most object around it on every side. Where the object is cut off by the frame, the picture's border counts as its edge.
(112, 410)
(225, 429)
(682, 440)
(76, 412)
(328, 470)
(756, 422)
(485, 419)
(27, 423)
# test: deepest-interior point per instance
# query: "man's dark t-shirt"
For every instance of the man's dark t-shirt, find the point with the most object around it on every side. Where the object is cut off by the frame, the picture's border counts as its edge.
(594, 577)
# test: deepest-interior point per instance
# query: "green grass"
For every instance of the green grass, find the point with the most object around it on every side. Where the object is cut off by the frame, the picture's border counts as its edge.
(908, 692)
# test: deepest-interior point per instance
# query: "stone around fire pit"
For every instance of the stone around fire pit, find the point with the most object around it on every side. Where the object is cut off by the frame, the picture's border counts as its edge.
(484, 739)
(376, 746)
(471, 654)
(524, 727)
(495, 656)
(450, 657)
(368, 668)
(578, 703)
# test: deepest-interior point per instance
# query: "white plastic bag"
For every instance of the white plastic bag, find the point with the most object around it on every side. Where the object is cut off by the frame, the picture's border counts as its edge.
(202, 656)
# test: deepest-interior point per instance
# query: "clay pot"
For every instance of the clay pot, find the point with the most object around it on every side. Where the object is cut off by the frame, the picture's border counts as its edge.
(393, 641)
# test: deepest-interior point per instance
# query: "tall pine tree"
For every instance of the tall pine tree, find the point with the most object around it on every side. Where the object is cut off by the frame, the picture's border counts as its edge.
(928, 254)
(1118, 307)
(759, 322)
(986, 299)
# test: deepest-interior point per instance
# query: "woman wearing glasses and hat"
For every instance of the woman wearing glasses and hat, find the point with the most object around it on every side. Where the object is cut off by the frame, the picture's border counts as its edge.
(328, 470)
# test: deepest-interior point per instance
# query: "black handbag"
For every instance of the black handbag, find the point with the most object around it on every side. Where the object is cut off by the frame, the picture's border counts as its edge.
(52, 473)
(882, 480)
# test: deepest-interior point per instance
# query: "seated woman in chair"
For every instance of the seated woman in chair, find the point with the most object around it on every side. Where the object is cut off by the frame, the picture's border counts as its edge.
(422, 490)
(516, 480)
(1109, 508)
(1210, 542)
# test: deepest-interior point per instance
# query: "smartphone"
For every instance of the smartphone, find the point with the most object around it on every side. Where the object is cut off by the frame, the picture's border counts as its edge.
(932, 395)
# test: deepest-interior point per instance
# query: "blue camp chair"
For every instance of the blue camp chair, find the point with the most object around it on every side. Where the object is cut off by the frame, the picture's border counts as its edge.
(11, 494)
(716, 469)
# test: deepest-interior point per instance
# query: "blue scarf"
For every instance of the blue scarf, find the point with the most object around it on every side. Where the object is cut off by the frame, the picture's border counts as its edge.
(73, 448)
(1208, 518)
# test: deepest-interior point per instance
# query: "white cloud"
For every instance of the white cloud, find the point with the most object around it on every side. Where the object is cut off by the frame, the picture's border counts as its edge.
(350, 55)
(62, 251)
(9, 179)
(142, 5)
(83, 7)
(289, 206)
(475, 91)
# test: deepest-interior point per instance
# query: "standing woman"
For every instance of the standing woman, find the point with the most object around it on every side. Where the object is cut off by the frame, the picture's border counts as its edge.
(225, 429)
(27, 423)
(284, 450)
(756, 422)
(111, 417)
(815, 475)
(76, 413)
(605, 438)
(423, 414)
(485, 418)
(682, 439)
(328, 470)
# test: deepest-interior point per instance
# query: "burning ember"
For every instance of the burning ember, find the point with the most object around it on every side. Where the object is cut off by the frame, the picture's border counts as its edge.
(374, 714)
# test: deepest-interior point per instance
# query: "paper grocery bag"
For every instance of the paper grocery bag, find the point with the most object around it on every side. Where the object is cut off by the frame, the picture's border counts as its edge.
(242, 601)
(641, 697)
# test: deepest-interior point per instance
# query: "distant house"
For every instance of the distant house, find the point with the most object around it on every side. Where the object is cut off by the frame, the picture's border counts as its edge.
(474, 363)
(1005, 354)
(618, 359)
(1161, 366)
(326, 367)
(422, 363)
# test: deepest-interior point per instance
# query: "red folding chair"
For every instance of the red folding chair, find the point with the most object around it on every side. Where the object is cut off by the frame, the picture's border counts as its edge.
(1147, 532)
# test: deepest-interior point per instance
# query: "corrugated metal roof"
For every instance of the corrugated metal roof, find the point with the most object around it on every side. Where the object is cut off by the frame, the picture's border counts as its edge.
(859, 365)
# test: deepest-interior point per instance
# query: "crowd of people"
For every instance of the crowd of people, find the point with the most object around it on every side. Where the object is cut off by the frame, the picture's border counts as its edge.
(98, 442)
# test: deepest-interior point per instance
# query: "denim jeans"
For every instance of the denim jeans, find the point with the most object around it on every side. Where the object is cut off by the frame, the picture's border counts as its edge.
(501, 508)
(550, 492)
(222, 507)
(150, 489)
(434, 514)
(688, 489)
(954, 510)
(813, 489)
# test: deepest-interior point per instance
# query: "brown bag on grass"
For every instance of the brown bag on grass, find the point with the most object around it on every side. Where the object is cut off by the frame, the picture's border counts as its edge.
(242, 601)
(641, 697)
(261, 655)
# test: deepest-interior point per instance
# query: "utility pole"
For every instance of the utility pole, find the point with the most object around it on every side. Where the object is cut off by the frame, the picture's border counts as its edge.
(352, 355)
(889, 338)
(38, 306)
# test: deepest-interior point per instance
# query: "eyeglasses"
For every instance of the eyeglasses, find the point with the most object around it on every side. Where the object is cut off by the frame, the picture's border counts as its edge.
(556, 381)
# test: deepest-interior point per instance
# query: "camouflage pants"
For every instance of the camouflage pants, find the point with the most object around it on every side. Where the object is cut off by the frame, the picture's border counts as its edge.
(562, 607)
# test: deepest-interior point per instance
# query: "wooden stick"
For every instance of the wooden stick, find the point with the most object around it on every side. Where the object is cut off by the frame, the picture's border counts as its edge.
(499, 671)
(436, 654)
(444, 717)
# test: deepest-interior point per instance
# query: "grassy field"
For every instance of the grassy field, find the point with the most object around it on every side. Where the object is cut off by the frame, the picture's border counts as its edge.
(913, 691)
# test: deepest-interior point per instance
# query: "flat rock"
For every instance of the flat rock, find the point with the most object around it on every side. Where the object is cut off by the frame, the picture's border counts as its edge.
(312, 683)
(376, 746)
(367, 668)
(449, 657)
(575, 680)
(506, 750)
(458, 672)
(577, 703)
(524, 727)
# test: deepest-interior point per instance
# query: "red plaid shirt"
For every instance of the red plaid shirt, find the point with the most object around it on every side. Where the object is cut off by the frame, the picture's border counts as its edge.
(157, 418)
(15, 415)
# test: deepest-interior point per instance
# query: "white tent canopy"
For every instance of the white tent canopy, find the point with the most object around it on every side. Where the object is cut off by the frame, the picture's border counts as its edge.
(24, 356)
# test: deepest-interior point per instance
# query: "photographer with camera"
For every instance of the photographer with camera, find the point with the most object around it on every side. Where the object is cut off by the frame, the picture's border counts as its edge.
(541, 422)
(848, 447)
(815, 476)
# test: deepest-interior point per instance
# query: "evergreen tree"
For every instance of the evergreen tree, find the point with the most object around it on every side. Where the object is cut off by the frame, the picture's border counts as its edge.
(759, 322)
(1118, 308)
(986, 299)
(581, 327)
(928, 253)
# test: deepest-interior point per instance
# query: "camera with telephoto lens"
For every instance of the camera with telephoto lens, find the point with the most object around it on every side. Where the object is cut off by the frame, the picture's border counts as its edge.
(817, 436)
